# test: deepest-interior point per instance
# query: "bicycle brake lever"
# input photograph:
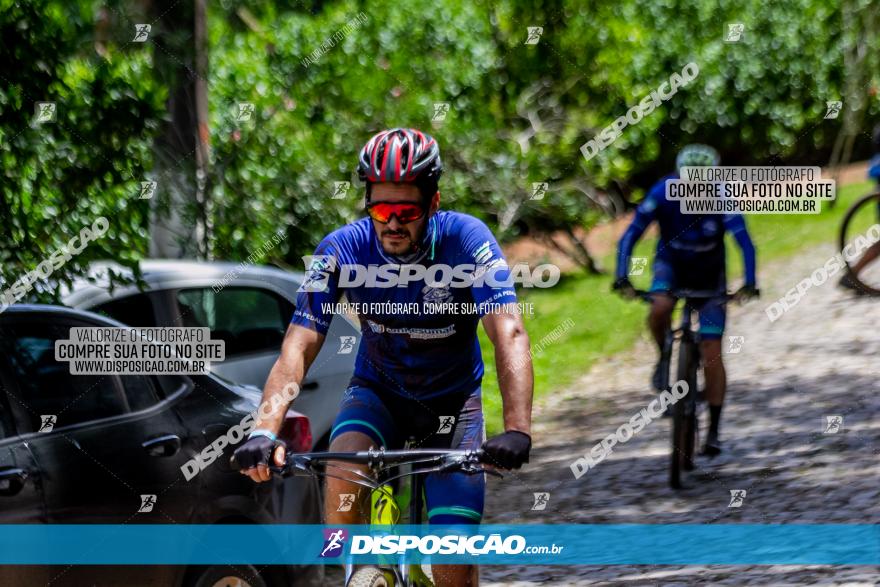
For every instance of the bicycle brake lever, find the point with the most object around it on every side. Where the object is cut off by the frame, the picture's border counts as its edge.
(471, 467)
(449, 464)
(293, 464)
(297, 465)
(304, 464)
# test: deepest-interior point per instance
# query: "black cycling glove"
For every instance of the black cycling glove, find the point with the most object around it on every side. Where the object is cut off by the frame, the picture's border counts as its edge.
(624, 287)
(257, 450)
(746, 292)
(509, 450)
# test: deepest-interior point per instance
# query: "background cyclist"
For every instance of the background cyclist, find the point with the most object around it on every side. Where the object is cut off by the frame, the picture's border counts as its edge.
(690, 255)
(412, 371)
(850, 278)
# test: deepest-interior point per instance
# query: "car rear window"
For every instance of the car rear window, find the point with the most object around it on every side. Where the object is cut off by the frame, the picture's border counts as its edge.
(248, 319)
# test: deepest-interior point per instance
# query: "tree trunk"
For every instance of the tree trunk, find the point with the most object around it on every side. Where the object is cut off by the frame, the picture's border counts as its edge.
(578, 253)
(203, 136)
(174, 208)
(588, 262)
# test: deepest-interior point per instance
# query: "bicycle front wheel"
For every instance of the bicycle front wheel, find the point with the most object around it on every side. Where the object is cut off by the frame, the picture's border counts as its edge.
(684, 415)
(857, 233)
(370, 577)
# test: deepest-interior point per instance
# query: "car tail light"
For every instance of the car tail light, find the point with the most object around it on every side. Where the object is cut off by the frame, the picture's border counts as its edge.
(296, 432)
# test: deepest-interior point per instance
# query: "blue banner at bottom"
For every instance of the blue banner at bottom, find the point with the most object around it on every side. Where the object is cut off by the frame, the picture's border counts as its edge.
(530, 544)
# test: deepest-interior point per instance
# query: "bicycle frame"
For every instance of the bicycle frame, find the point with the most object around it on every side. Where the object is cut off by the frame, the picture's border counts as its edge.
(688, 335)
(383, 505)
(685, 331)
(384, 508)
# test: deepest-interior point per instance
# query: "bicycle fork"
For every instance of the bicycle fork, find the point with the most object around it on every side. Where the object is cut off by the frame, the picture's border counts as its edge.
(666, 359)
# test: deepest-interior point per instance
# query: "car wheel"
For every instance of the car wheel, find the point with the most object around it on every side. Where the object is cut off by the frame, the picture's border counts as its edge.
(228, 576)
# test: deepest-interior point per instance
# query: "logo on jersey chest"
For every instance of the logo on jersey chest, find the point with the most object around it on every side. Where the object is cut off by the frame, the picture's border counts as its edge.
(318, 270)
(438, 294)
(414, 333)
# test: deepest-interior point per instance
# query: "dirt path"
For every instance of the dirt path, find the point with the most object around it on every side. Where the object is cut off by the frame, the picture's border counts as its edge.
(818, 359)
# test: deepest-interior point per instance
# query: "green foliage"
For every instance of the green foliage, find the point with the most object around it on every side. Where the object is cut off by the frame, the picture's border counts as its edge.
(58, 177)
(313, 118)
(324, 76)
(518, 113)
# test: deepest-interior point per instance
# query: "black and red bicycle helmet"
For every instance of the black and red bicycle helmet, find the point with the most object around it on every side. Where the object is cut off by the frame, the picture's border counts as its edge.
(401, 155)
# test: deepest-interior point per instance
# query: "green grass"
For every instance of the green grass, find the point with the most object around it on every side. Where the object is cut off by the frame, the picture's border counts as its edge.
(593, 323)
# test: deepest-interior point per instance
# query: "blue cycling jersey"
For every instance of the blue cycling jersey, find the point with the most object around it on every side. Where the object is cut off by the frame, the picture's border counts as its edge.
(874, 168)
(412, 354)
(692, 244)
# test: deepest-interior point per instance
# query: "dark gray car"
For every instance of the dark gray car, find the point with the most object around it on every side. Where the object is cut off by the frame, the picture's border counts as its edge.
(115, 440)
(248, 306)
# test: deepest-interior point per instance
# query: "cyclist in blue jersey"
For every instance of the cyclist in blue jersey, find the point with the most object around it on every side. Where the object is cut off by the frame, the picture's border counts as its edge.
(850, 278)
(417, 374)
(690, 255)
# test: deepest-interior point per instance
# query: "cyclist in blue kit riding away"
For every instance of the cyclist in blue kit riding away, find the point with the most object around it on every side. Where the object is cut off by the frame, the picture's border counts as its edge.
(690, 256)
(417, 375)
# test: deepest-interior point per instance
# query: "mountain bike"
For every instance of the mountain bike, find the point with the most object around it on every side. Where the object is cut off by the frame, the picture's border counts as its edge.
(388, 468)
(685, 423)
(860, 217)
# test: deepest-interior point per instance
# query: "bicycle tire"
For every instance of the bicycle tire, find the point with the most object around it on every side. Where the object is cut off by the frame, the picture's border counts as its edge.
(684, 416)
(369, 577)
(690, 435)
(842, 242)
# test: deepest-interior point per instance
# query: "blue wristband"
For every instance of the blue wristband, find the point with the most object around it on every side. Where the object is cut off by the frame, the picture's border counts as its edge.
(263, 432)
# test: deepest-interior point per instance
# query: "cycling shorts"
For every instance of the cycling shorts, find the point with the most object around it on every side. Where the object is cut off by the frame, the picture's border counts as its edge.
(390, 420)
(713, 312)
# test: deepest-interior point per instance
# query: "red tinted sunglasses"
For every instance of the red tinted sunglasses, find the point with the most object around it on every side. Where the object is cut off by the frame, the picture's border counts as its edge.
(405, 211)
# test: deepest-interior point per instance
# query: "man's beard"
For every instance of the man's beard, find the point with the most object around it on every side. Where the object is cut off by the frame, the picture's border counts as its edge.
(412, 250)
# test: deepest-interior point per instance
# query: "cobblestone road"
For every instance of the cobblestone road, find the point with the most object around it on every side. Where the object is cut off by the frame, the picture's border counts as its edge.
(818, 359)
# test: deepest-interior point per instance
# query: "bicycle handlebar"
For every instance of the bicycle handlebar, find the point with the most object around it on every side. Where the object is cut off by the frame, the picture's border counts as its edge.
(468, 461)
(390, 457)
(432, 460)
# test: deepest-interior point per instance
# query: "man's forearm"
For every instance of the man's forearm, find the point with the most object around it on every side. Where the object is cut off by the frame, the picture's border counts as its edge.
(513, 362)
(285, 379)
(281, 389)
